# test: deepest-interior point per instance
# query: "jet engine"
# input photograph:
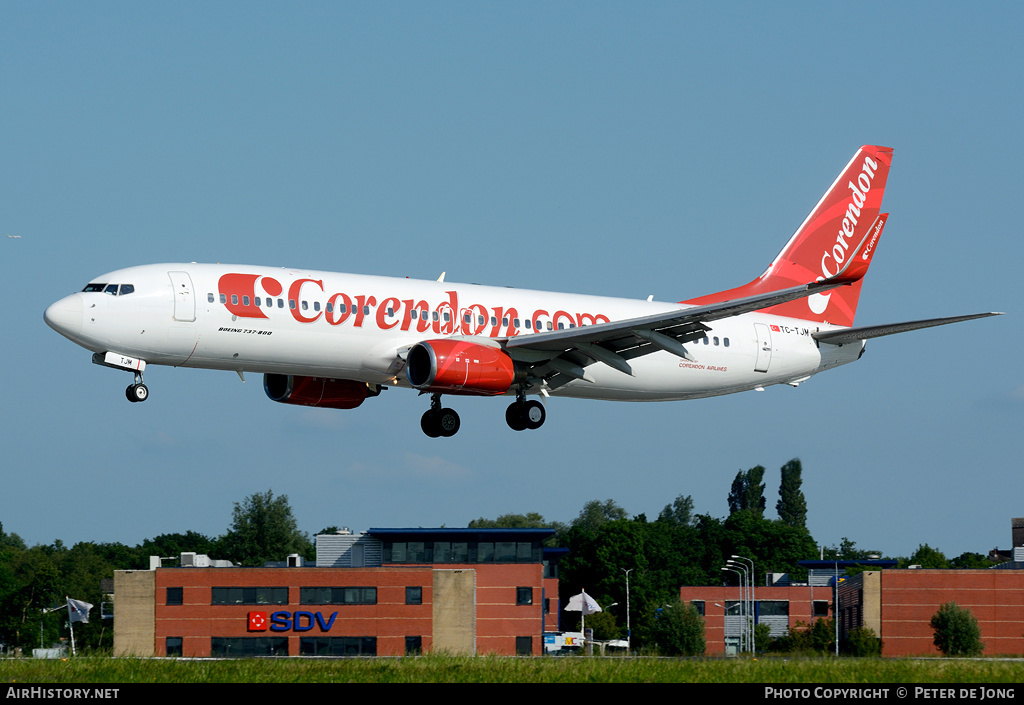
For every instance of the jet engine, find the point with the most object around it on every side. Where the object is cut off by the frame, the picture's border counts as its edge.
(315, 391)
(460, 367)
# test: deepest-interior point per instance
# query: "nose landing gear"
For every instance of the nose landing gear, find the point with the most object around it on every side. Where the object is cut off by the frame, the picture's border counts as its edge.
(137, 391)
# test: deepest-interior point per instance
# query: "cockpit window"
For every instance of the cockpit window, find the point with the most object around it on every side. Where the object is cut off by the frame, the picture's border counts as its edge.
(112, 289)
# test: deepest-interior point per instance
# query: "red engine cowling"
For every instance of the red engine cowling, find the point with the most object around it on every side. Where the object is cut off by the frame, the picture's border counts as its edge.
(315, 391)
(459, 367)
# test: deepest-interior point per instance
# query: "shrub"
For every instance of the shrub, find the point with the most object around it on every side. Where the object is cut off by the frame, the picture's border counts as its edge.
(956, 631)
(678, 630)
(862, 641)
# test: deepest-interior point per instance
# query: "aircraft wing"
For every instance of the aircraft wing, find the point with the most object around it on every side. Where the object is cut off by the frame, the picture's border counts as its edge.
(852, 335)
(559, 356)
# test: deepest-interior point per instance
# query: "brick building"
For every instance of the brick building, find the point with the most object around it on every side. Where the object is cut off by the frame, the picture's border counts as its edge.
(898, 605)
(385, 592)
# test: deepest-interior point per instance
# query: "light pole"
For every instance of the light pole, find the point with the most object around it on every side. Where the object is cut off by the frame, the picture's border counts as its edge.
(736, 568)
(752, 601)
(748, 603)
(629, 633)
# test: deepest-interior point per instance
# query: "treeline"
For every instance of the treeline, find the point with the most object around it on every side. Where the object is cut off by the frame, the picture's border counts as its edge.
(682, 548)
(37, 578)
(678, 547)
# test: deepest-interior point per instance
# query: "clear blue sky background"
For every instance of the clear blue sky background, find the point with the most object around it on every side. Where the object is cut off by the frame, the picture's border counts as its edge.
(611, 148)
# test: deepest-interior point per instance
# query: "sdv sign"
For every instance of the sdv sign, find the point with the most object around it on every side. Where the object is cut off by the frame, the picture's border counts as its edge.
(290, 621)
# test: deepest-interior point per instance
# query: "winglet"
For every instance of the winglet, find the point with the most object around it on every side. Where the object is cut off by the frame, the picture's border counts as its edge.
(860, 258)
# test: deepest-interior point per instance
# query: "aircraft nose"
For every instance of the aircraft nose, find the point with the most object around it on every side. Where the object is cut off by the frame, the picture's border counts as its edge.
(65, 316)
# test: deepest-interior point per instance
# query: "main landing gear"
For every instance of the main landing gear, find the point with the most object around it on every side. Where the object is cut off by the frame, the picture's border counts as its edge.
(437, 421)
(442, 422)
(138, 391)
(521, 414)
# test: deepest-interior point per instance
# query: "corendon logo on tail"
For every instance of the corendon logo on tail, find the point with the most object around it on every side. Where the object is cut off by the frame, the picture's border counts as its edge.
(859, 192)
(255, 296)
(837, 253)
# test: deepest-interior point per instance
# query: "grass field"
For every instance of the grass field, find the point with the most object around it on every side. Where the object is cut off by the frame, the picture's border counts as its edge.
(448, 669)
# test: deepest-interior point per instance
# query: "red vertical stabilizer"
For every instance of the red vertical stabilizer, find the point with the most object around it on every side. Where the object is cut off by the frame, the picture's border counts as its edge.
(837, 239)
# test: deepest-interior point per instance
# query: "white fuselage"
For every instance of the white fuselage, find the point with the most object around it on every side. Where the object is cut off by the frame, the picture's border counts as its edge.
(357, 327)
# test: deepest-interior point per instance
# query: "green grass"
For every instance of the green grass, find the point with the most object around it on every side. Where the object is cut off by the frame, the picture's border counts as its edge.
(452, 669)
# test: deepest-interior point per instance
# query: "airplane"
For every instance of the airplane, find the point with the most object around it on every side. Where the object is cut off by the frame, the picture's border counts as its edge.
(333, 340)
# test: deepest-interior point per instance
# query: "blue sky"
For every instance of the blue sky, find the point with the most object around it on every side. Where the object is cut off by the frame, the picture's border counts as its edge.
(608, 148)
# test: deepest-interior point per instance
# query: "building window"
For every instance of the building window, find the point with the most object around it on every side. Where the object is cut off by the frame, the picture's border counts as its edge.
(524, 596)
(461, 552)
(524, 646)
(413, 645)
(249, 596)
(243, 646)
(173, 646)
(821, 608)
(699, 606)
(414, 596)
(773, 608)
(338, 595)
(338, 646)
(174, 596)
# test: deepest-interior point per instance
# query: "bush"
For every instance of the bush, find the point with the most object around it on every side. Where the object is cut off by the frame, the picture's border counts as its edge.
(862, 641)
(678, 630)
(805, 638)
(956, 631)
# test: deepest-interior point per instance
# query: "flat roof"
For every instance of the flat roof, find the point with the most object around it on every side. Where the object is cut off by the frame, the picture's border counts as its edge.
(480, 534)
(848, 563)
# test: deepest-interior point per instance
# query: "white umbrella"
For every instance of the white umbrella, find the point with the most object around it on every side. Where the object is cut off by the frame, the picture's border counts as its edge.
(583, 603)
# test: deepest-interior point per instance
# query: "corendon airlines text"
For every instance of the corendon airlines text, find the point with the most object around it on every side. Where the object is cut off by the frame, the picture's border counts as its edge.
(239, 293)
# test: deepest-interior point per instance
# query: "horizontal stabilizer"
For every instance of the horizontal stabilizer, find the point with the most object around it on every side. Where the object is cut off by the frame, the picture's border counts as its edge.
(851, 335)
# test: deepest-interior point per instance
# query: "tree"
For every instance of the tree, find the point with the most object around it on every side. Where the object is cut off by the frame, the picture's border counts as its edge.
(927, 557)
(956, 631)
(596, 513)
(531, 520)
(679, 513)
(968, 560)
(173, 545)
(678, 630)
(792, 505)
(748, 491)
(263, 529)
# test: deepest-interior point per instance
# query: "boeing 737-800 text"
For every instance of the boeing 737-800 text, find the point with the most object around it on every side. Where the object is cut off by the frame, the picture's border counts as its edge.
(333, 340)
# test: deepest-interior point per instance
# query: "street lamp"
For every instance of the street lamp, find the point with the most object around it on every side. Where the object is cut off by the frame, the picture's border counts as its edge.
(736, 568)
(629, 632)
(752, 601)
